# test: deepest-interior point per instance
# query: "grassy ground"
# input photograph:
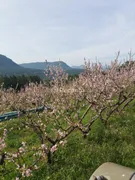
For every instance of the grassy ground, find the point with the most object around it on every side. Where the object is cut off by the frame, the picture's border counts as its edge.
(80, 157)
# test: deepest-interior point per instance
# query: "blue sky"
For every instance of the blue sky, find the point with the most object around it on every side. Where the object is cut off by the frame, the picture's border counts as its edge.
(69, 30)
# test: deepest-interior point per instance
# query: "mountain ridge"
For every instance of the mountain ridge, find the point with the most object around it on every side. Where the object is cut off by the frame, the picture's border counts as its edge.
(43, 65)
(4, 60)
(78, 67)
(9, 67)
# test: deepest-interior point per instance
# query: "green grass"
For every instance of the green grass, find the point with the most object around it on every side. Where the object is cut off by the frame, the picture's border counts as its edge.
(80, 157)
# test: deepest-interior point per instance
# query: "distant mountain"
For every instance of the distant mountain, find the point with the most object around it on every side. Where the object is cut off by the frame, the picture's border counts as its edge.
(9, 67)
(78, 67)
(4, 61)
(43, 65)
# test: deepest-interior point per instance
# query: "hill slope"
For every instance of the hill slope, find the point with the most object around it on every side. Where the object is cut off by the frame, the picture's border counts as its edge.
(43, 65)
(7, 63)
(78, 67)
(9, 67)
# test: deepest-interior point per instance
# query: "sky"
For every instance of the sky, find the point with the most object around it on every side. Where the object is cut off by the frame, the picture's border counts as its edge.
(66, 30)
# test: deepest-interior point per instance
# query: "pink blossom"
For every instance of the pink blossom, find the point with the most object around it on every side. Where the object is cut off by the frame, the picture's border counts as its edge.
(36, 167)
(44, 146)
(21, 150)
(28, 172)
(62, 142)
(23, 143)
(53, 148)
(15, 155)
